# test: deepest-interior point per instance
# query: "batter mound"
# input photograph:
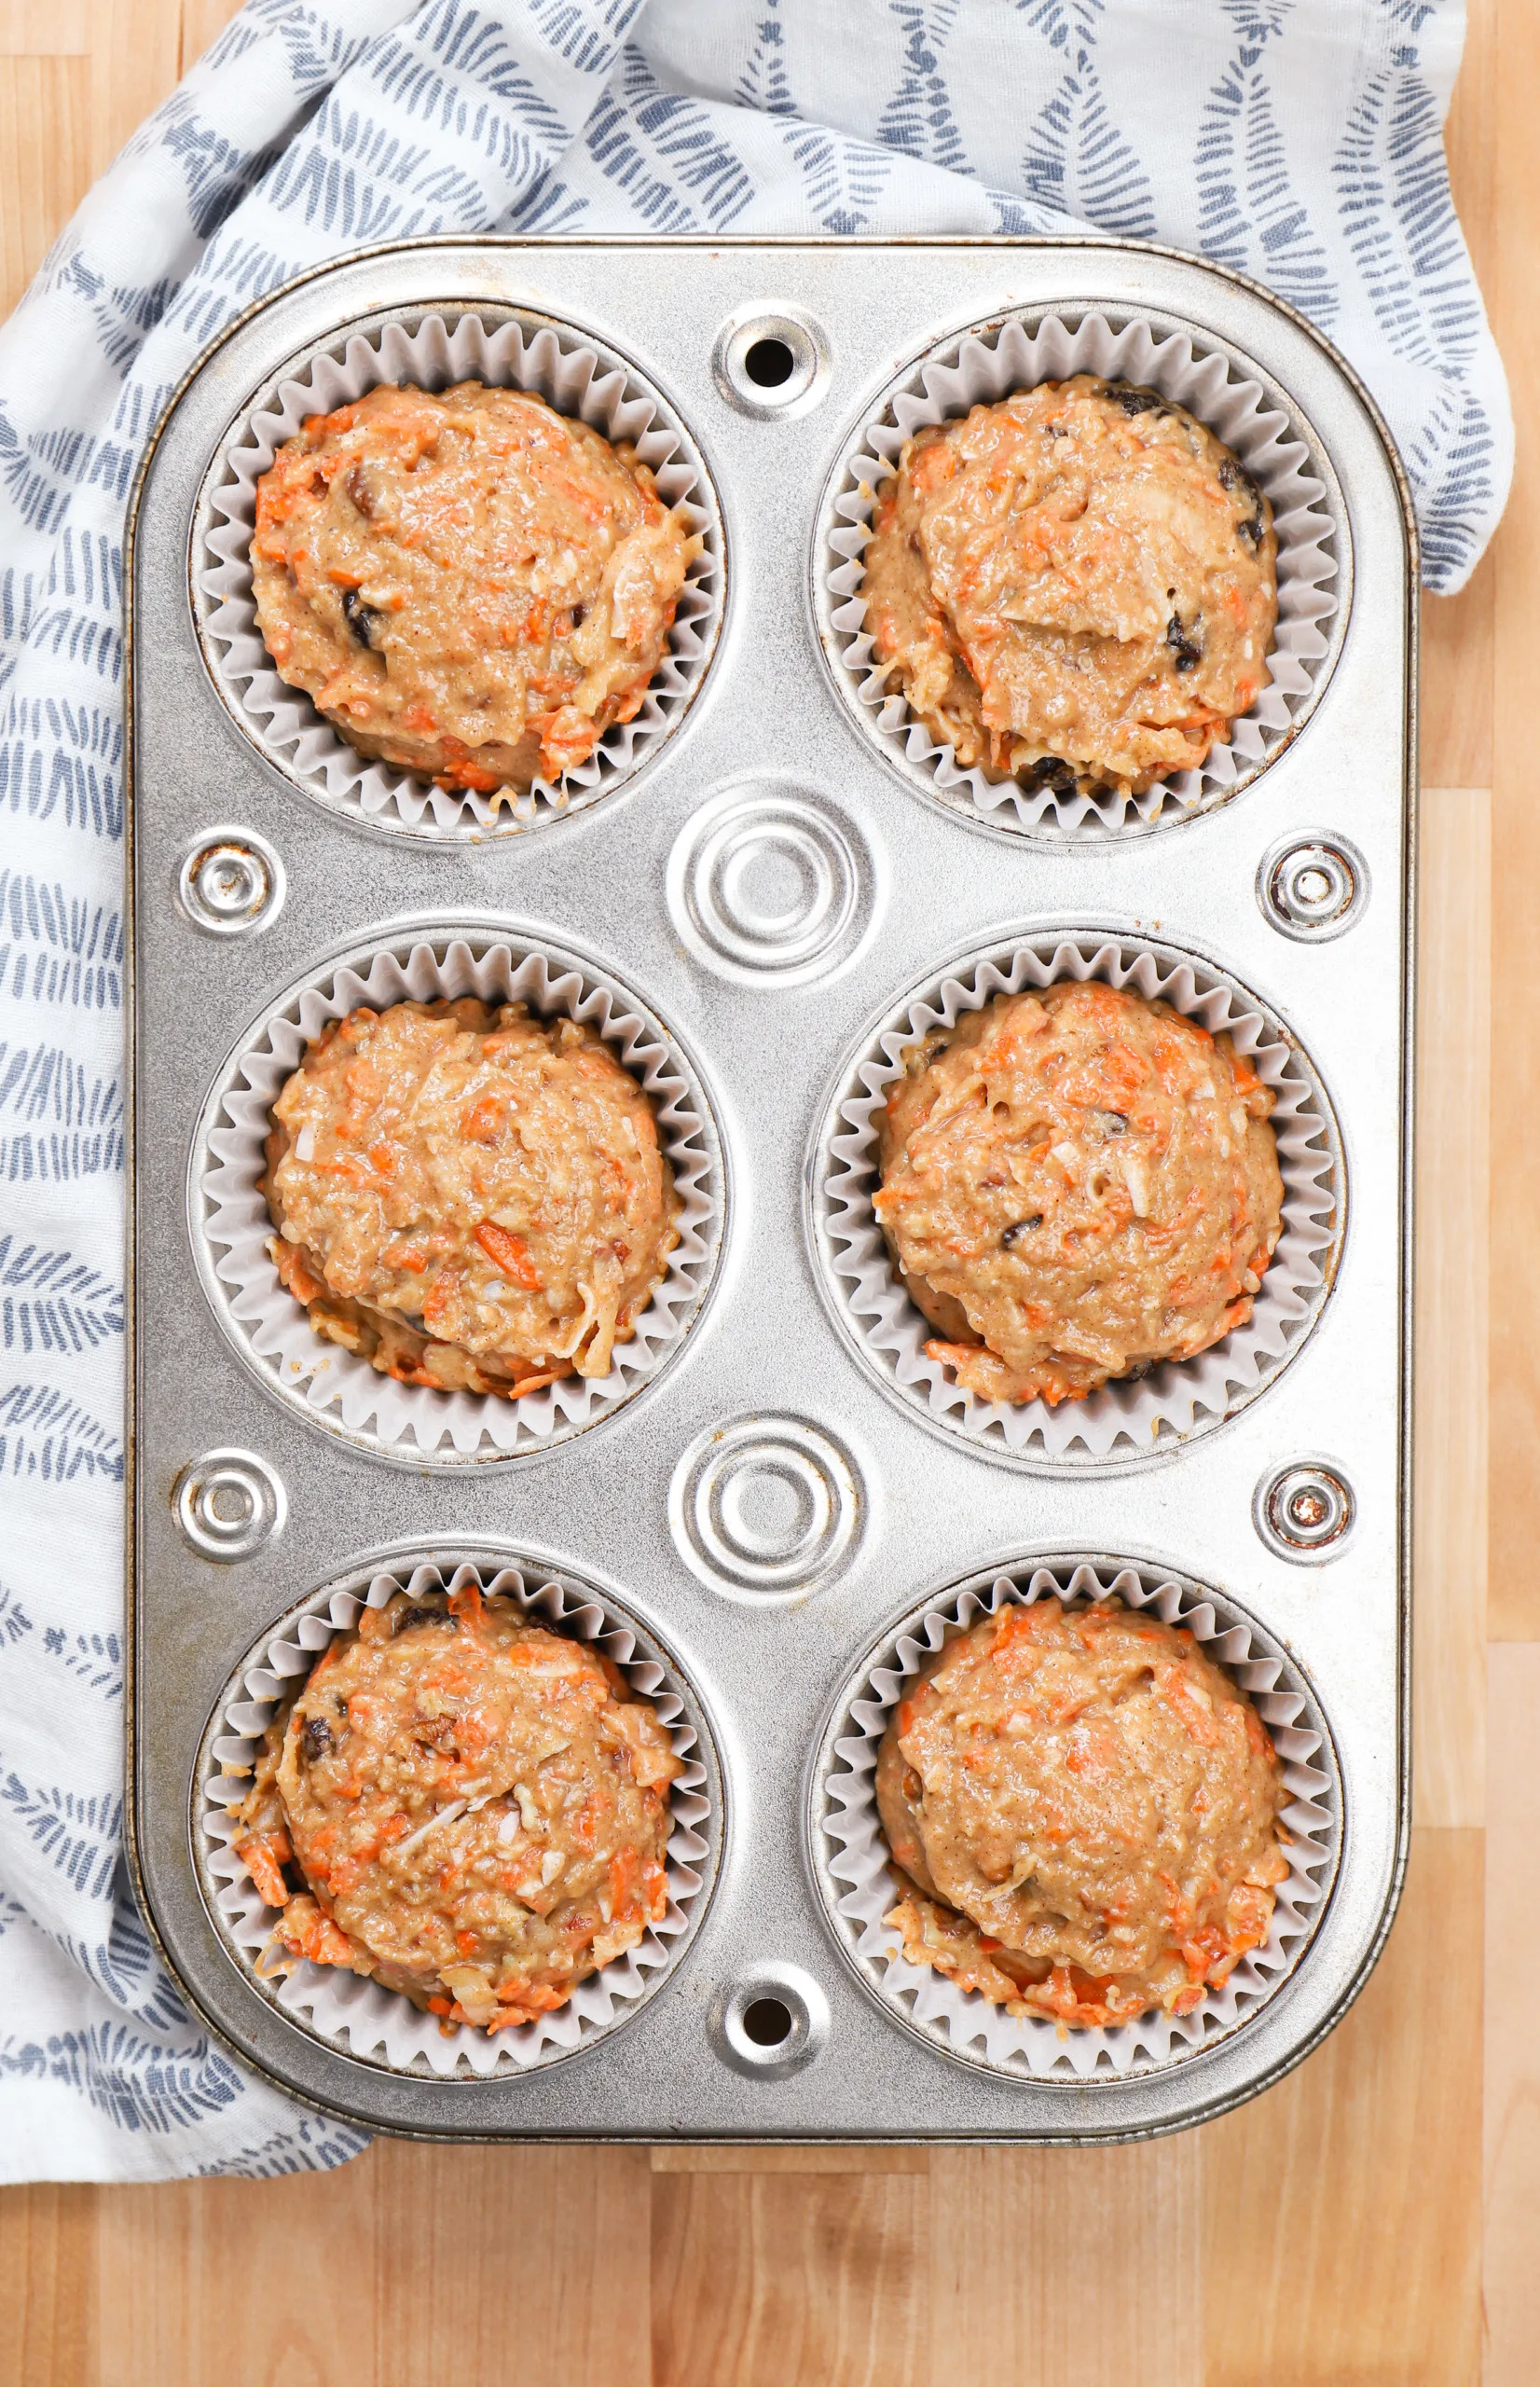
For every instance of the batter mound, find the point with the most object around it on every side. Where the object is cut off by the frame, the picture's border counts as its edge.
(463, 1806)
(470, 1200)
(1075, 1184)
(1086, 1809)
(472, 587)
(1077, 588)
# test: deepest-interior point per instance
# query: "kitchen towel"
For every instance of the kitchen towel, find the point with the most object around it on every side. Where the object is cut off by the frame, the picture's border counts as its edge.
(1299, 141)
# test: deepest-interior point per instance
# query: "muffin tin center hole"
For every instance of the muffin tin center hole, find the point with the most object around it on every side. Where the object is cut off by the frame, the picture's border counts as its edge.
(772, 2022)
(771, 361)
(766, 2021)
(770, 1506)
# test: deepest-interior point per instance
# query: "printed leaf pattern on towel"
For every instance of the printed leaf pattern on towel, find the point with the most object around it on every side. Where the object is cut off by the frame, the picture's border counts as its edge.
(761, 83)
(51, 1302)
(919, 119)
(1392, 187)
(1252, 215)
(314, 126)
(57, 948)
(1075, 156)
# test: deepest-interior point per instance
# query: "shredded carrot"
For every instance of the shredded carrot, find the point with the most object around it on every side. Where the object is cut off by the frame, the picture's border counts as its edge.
(264, 1855)
(305, 1930)
(294, 1274)
(466, 1604)
(508, 1252)
(623, 1879)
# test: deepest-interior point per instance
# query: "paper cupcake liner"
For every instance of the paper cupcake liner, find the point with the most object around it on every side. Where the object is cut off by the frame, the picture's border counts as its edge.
(990, 362)
(1134, 1417)
(579, 376)
(852, 1859)
(231, 1225)
(357, 2015)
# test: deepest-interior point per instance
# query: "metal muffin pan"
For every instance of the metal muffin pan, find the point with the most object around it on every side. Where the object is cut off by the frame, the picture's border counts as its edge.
(770, 885)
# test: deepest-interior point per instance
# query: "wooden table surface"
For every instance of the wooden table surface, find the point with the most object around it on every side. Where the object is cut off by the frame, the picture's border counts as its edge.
(1374, 2221)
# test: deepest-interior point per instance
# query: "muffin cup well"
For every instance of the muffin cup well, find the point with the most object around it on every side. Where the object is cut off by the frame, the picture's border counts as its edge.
(579, 376)
(1132, 1418)
(1224, 390)
(357, 2015)
(851, 1859)
(232, 1227)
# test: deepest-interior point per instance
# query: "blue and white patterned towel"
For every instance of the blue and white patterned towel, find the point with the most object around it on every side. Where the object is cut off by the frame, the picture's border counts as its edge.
(1300, 139)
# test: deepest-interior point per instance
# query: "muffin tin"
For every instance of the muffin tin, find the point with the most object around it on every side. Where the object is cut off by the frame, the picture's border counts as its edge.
(769, 1507)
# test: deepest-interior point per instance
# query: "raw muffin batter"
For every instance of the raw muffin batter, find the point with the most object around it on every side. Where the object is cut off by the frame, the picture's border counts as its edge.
(472, 587)
(1077, 588)
(476, 1810)
(1087, 1807)
(1075, 1184)
(471, 1201)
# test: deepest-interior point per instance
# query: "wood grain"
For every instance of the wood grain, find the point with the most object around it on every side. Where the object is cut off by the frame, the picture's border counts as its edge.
(1514, 1356)
(76, 77)
(1453, 1195)
(49, 2287)
(1511, 2101)
(48, 28)
(1067, 2267)
(45, 158)
(1329, 2235)
(1343, 2230)
(414, 2265)
(174, 2265)
(565, 2302)
(201, 21)
(779, 2279)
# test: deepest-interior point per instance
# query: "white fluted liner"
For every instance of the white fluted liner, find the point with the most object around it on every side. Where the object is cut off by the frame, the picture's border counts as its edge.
(357, 2015)
(988, 364)
(580, 377)
(231, 1225)
(1133, 1416)
(854, 1859)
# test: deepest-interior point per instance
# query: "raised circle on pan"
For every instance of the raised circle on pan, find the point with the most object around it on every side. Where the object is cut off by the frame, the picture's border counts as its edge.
(771, 361)
(849, 1859)
(1305, 1512)
(355, 2016)
(432, 956)
(1313, 885)
(769, 883)
(768, 1508)
(1133, 1420)
(1223, 388)
(230, 1504)
(231, 882)
(580, 375)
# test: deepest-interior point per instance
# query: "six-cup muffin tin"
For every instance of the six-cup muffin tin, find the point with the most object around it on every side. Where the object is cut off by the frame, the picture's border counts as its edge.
(778, 1504)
